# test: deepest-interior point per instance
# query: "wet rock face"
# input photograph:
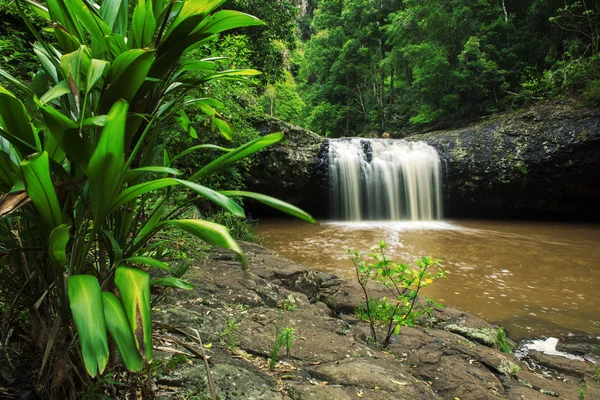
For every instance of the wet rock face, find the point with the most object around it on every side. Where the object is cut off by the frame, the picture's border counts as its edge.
(543, 160)
(290, 170)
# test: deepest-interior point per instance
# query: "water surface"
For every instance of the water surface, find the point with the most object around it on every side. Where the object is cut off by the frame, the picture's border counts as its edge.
(534, 278)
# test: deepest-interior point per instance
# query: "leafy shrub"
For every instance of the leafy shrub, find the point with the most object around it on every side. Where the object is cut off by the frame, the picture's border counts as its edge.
(283, 337)
(592, 92)
(403, 283)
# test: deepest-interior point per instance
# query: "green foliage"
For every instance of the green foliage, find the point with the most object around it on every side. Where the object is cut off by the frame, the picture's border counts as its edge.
(85, 187)
(283, 337)
(596, 374)
(240, 229)
(592, 92)
(502, 341)
(290, 303)
(382, 65)
(403, 283)
(228, 334)
(380, 310)
(282, 100)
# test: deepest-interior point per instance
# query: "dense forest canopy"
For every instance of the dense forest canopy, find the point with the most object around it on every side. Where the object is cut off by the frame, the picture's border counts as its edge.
(362, 67)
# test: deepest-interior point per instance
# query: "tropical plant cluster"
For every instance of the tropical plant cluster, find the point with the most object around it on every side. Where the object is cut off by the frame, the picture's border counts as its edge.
(89, 192)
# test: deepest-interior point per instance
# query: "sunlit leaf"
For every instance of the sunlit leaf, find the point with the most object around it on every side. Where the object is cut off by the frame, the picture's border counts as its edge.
(36, 171)
(245, 150)
(211, 233)
(172, 282)
(272, 202)
(134, 288)
(85, 300)
(108, 161)
(120, 332)
(149, 261)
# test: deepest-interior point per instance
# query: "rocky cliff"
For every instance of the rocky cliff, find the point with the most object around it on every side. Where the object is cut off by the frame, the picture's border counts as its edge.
(545, 159)
(540, 160)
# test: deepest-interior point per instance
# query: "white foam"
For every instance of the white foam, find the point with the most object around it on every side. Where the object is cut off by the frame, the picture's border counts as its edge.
(396, 225)
(548, 347)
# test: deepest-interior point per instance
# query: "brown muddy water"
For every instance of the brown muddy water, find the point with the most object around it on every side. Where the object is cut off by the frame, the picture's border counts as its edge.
(533, 278)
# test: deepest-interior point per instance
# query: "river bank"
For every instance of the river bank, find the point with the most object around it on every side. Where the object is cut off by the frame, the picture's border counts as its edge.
(236, 315)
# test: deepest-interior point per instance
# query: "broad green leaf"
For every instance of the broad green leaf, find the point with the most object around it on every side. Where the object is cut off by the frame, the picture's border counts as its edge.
(94, 73)
(116, 44)
(184, 121)
(120, 332)
(272, 202)
(237, 154)
(134, 288)
(46, 62)
(58, 90)
(85, 300)
(190, 15)
(211, 233)
(98, 120)
(125, 76)
(196, 66)
(53, 149)
(224, 127)
(157, 213)
(14, 118)
(150, 262)
(40, 189)
(91, 22)
(233, 72)
(134, 173)
(172, 282)
(199, 147)
(66, 133)
(16, 83)
(225, 20)
(115, 14)
(143, 25)
(72, 66)
(39, 9)
(117, 252)
(58, 12)
(9, 165)
(105, 170)
(135, 191)
(59, 237)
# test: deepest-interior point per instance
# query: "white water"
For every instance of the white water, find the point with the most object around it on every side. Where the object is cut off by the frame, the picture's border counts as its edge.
(379, 179)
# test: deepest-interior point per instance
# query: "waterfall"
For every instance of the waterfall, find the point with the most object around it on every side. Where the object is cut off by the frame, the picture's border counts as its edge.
(383, 179)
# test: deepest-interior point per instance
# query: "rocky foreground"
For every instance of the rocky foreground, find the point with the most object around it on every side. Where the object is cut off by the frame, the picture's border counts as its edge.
(236, 315)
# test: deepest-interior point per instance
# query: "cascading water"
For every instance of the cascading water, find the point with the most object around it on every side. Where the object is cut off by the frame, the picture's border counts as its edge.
(383, 179)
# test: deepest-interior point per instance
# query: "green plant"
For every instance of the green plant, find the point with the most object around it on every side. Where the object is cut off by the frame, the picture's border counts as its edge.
(282, 337)
(380, 311)
(403, 283)
(290, 304)
(502, 341)
(596, 374)
(228, 334)
(80, 157)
